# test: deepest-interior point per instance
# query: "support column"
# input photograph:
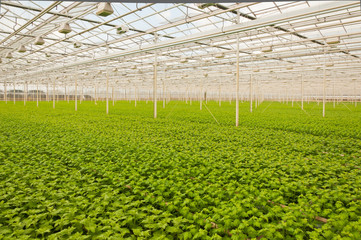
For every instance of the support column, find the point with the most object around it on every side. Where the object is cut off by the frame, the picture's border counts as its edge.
(53, 94)
(219, 95)
(106, 91)
(333, 93)
(76, 92)
(5, 93)
(155, 81)
(37, 93)
(95, 94)
(113, 94)
(25, 93)
(82, 93)
(163, 95)
(237, 77)
(250, 92)
(324, 88)
(14, 92)
(47, 91)
(302, 91)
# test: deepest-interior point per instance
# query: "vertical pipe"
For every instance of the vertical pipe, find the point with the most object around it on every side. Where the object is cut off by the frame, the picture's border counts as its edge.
(37, 93)
(24, 93)
(113, 94)
(155, 82)
(5, 93)
(95, 94)
(135, 96)
(106, 91)
(237, 77)
(53, 94)
(47, 91)
(76, 92)
(333, 93)
(324, 87)
(302, 91)
(14, 92)
(219, 95)
(250, 92)
(163, 95)
(354, 92)
(82, 93)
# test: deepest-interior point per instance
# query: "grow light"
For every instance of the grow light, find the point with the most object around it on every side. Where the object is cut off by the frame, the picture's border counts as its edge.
(64, 28)
(77, 44)
(219, 55)
(122, 29)
(9, 55)
(204, 5)
(256, 70)
(289, 68)
(104, 9)
(183, 60)
(333, 40)
(22, 49)
(39, 40)
(266, 49)
(329, 65)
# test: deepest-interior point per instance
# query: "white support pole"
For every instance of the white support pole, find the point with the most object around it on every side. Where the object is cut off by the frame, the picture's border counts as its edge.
(333, 93)
(106, 91)
(250, 92)
(37, 93)
(76, 92)
(302, 91)
(113, 94)
(81, 93)
(163, 95)
(25, 93)
(5, 93)
(53, 94)
(14, 92)
(354, 92)
(324, 87)
(237, 76)
(135, 96)
(47, 91)
(219, 95)
(155, 81)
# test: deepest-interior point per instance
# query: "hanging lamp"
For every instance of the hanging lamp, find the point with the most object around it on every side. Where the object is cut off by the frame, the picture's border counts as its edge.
(39, 40)
(22, 49)
(122, 29)
(64, 28)
(104, 9)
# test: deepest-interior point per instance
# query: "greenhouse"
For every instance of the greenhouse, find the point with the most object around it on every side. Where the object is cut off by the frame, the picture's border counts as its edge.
(126, 120)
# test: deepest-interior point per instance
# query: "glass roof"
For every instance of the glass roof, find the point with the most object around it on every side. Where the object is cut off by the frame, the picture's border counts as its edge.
(187, 39)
